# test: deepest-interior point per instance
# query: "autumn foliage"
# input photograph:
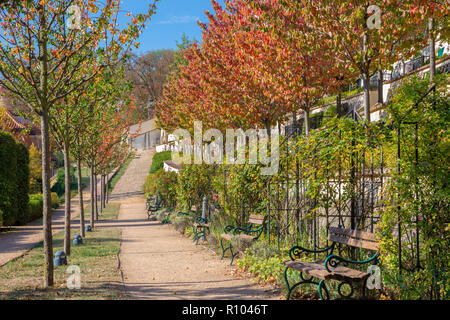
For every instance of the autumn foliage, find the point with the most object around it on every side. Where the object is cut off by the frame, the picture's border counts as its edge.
(262, 60)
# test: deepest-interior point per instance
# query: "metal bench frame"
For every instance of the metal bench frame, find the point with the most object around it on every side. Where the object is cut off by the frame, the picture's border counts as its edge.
(329, 267)
(251, 229)
(200, 226)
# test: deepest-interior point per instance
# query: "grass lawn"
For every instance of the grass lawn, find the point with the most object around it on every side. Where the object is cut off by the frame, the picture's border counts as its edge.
(96, 257)
(120, 172)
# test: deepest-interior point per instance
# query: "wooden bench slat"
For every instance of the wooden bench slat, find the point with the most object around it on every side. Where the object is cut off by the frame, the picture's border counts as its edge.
(354, 233)
(230, 237)
(369, 245)
(200, 225)
(317, 269)
(258, 216)
(254, 221)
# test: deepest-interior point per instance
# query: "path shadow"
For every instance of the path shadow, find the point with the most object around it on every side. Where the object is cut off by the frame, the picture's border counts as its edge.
(218, 290)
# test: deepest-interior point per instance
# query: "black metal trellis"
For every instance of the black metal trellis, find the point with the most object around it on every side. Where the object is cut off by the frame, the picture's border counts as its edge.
(300, 213)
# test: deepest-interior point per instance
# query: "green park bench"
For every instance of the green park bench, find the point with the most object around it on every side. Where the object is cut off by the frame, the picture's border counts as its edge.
(200, 227)
(153, 206)
(333, 267)
(252, 232)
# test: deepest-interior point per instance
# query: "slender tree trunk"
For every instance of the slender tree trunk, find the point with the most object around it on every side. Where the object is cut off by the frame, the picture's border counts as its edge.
(107, 190)
(92, 196)
(307, 122)
(103, 191)
(339, 104)
(95, 197)
(380, 86)
(67, 192)
(47, 210)
(80, 194)
(366, 81)
(432, 44)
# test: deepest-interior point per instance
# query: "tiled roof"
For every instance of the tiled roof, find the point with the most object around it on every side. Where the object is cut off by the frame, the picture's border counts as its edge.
(143, 127)
(18, 123)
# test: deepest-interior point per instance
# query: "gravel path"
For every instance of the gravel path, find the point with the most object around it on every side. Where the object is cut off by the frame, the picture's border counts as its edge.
(158, 263)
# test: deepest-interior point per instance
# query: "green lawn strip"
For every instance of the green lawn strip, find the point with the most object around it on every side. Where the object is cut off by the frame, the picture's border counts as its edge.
(96, 257)
(119, 173)
(109, 213)
(158, 160)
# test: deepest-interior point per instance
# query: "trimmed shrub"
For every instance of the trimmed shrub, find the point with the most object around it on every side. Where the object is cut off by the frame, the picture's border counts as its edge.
(36, 206)
(60, 187)
(164, 184)
(54, 200)
(183, 222)
(35, 170)
(158, 161)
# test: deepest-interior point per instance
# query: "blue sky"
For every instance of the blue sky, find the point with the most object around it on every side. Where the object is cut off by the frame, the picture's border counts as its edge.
(172, 18)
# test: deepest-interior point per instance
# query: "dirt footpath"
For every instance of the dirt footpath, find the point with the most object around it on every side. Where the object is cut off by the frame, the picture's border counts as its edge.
(159, 263)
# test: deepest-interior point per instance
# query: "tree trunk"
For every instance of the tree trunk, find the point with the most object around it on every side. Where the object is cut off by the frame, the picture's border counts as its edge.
(80, 194)
(67, 200)
(95, 197)
(47, 210)
(366, 84)
(432, 44)
(107, 190)
(339, 104)
(366, 81)
(92, 196)
(103, 191)
(307, 123)
(380, 86)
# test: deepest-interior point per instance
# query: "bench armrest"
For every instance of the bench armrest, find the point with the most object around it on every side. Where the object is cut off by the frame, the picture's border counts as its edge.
(297, 251)
(229, 228)
(201, 220)
(246, 230)
(334, 261)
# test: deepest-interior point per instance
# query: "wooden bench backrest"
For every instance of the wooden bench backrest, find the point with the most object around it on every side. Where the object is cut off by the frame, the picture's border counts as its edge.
(257, 219)
(354, 238)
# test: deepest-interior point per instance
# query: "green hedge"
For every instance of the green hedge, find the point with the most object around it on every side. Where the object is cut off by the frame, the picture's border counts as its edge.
(23, 184)
(36, 206)
(8, 179)
(14, 181)
(158, 160)
(60, 185)
(164, 184)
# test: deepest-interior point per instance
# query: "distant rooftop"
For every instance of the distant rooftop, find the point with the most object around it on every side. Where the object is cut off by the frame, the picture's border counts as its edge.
(143, 127)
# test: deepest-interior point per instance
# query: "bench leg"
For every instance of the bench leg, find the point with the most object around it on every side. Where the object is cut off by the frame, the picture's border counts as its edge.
(232, 255)
(324, 287)
(197, 236)
(194, 229)
(225, 250)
